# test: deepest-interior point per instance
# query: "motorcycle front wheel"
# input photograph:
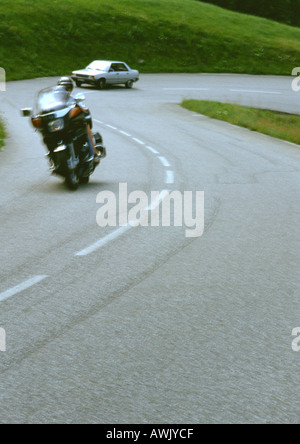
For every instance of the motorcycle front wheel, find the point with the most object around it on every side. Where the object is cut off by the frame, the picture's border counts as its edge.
(84, 180)
(72, 180)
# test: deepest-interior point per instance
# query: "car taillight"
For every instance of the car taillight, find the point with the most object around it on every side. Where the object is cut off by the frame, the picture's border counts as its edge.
(37, 122)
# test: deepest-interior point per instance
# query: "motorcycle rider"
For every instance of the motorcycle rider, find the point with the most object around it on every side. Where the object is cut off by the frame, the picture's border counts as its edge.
(68, 84)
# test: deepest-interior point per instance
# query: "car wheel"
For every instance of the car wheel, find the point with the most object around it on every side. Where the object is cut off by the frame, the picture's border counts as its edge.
(78, 83)
(101, 83)
(129, 84)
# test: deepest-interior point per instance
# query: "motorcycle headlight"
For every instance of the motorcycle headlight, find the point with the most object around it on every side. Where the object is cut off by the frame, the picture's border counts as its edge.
(56, 125)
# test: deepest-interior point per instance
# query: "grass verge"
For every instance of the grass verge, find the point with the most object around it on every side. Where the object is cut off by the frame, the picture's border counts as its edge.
(2, 134)
(52, 37)
(272, 123)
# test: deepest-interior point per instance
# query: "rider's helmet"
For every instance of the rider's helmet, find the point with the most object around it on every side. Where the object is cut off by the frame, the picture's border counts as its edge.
(67, 82)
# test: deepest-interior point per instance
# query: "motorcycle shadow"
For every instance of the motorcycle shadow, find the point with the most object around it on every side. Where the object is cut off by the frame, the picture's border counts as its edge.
(60, 187)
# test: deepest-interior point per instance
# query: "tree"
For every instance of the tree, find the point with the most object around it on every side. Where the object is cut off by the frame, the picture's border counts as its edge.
(286, 11)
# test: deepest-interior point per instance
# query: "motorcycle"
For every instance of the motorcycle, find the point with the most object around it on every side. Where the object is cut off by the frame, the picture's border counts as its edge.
(63, 123)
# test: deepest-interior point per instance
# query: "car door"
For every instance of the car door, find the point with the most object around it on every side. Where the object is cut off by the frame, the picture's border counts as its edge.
(113, 74)
(124, 74)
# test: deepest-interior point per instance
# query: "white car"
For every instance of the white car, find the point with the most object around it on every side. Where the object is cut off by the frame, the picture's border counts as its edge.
(102, 72)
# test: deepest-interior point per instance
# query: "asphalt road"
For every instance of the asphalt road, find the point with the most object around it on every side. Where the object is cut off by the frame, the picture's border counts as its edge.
(144, 325)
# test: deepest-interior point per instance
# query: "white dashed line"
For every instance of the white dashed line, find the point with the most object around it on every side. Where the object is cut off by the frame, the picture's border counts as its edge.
(125, 134)
(255, 92)
(158, 201)
(152, 150)
(186, 89)
(140, 142)
(120, 231)
(21, 287)
(103, 241)
(169, 177)
(231, 90)
(164, 161)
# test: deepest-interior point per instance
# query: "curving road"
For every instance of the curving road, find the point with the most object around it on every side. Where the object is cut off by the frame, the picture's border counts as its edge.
(144, 325)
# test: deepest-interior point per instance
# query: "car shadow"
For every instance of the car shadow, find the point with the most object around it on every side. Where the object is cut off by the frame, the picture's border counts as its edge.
(107, 88)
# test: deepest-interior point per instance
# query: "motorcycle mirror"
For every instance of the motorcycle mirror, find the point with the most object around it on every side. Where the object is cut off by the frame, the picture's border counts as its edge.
(80, 98)
(26, 112)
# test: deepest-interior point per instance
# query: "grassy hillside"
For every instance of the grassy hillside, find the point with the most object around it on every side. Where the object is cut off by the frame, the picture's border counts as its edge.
(52, 37)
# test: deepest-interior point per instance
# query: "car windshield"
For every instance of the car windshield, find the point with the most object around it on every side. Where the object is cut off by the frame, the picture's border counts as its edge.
(99, 65)
(52, 99)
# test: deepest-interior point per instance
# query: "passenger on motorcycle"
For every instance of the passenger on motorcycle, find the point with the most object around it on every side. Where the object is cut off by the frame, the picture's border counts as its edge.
(68, 84)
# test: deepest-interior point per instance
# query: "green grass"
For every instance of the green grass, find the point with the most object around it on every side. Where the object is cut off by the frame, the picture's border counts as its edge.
(276, 124)
(52, 37)
(2, 134)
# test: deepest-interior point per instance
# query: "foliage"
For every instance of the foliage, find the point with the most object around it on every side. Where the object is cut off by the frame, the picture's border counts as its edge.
(285, 11)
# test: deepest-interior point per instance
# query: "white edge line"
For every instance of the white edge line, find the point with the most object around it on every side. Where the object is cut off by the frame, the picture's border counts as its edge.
(21, 287)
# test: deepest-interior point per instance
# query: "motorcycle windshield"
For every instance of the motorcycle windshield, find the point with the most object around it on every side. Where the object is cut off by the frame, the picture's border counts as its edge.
(51, 100)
